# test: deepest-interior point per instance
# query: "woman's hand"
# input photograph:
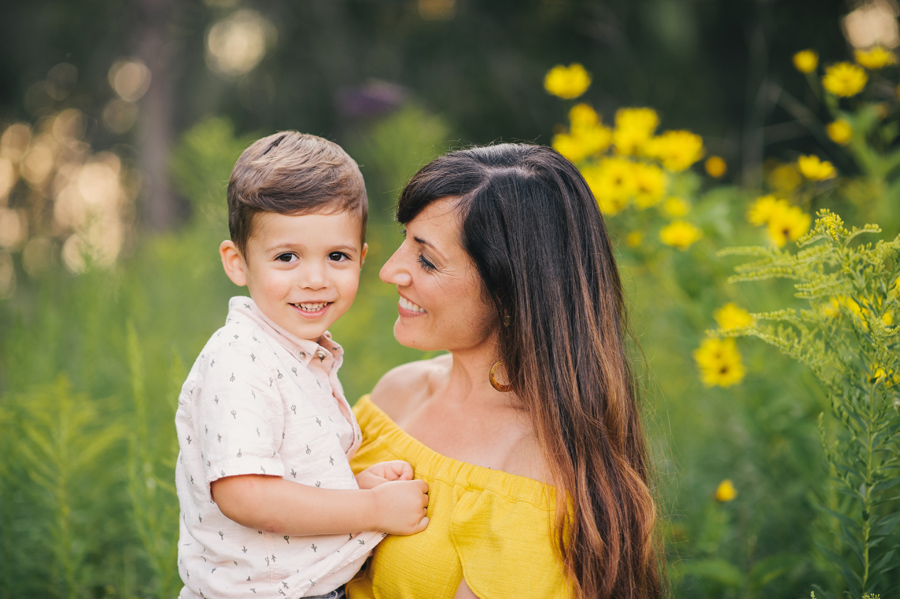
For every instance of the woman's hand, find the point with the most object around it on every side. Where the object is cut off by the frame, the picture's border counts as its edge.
(384, 472)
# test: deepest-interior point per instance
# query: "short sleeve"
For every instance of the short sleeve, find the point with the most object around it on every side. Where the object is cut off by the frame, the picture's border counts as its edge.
(506, 546)
(238, 414)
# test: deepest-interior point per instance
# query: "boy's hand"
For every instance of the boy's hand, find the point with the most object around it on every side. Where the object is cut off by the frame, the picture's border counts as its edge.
(384, 472)
(401, 506)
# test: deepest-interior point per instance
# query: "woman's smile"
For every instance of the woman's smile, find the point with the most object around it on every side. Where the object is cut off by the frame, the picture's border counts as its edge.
(408, 308)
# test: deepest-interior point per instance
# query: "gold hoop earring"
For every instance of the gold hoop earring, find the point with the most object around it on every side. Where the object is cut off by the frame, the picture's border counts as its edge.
(496, 385)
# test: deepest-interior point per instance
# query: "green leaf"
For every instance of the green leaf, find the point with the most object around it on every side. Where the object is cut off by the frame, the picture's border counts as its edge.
(714, 569)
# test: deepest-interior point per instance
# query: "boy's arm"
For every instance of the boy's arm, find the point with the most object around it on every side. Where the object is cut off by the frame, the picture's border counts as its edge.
(275, 505)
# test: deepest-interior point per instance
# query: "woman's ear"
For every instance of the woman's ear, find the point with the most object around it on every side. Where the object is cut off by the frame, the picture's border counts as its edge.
(233, 263)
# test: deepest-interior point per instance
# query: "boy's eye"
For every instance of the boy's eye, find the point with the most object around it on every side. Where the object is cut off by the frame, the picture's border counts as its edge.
(338, 256)
(425, 263)
(285, 257)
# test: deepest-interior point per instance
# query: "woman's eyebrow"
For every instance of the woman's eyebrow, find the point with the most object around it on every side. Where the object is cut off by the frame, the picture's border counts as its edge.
(430, 245)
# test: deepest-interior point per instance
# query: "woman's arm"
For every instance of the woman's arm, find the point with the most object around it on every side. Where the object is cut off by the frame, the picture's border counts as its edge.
(279, 506)
(464, 592)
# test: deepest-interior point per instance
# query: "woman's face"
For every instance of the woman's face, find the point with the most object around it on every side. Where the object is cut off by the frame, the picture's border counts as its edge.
(442, 305)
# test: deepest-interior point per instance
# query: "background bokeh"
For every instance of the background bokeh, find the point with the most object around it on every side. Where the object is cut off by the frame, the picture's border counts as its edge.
(119, 124)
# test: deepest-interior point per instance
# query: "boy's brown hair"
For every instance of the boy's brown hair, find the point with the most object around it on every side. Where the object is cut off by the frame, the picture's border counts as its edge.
(293, 173)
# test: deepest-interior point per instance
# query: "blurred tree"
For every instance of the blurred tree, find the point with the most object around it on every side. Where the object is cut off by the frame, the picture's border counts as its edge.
(331, 67)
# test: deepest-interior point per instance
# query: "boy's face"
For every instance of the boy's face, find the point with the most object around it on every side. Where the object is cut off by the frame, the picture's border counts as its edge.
(301, 270)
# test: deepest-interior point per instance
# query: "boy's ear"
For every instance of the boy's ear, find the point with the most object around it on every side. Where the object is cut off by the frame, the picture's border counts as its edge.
(362, 256)
(233, 263)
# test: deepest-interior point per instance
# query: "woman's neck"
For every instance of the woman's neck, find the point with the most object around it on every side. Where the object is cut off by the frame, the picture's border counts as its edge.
(467, 379)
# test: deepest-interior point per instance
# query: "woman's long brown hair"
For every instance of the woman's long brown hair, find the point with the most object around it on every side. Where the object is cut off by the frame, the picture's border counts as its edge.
(533, 229)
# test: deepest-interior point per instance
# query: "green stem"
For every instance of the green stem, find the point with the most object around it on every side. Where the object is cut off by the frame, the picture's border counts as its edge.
(867, 499)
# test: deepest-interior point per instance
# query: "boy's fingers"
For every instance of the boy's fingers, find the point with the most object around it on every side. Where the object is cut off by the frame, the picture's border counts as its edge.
(423, 523)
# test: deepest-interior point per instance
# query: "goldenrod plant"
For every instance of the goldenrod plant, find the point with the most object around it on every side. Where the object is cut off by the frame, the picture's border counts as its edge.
(848, 335)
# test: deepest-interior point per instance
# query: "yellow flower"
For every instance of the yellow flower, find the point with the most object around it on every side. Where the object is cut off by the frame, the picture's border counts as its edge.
(861, 313)
(569, 146)
(761, 211)
(875, 58)
(715, 167)
(613, 183)
(832, 309)
(650, 185)
(582, 142)
(790, 223)
(815, 169)
(680, 234)
(725, 491)
(844, 79)
(634, 127)
(567, 82)
(806, 61)
(890, 379)
(832, 223)
(634, 239)
(676, 150)
(731, 316)
(583, 115)
(840, 132)
(784, 178)
(675, 207)
(720, 362)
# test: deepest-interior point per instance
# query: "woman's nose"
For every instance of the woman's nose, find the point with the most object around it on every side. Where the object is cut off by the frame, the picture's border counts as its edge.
(394, 271)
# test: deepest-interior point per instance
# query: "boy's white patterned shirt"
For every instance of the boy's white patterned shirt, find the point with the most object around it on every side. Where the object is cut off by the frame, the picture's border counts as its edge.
(260, 401)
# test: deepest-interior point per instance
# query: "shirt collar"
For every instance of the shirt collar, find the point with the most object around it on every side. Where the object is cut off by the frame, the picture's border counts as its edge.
(302, 349)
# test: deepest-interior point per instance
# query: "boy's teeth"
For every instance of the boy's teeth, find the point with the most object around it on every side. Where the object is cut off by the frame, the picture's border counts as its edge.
(408, 305)
(312, 307)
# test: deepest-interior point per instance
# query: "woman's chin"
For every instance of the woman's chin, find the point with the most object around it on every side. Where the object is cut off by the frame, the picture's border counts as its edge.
(407, 338)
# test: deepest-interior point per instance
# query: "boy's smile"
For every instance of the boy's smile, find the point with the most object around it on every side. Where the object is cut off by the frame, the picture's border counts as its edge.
(301, 270)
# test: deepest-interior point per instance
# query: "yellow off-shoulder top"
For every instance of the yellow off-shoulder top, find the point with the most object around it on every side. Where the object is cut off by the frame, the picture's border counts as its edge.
(491, 527)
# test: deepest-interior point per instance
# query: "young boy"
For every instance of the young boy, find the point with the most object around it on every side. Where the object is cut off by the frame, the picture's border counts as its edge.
(269, 505)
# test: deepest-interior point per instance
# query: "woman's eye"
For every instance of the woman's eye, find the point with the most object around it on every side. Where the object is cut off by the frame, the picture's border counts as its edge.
(285, 257)
(338, 256)
(424, 262)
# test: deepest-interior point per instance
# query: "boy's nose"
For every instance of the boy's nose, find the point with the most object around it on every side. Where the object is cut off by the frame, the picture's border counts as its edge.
(313, 276)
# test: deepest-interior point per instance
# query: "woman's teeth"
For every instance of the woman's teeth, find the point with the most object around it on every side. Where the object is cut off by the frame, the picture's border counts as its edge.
(408, 305)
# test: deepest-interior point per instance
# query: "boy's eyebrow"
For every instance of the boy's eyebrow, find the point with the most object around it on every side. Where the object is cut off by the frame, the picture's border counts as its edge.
(342, 247)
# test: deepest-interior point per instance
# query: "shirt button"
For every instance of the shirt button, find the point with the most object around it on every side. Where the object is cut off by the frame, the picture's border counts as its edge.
(320, 354)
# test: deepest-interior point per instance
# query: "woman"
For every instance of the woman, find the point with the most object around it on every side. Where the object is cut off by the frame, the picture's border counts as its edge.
(528, 430)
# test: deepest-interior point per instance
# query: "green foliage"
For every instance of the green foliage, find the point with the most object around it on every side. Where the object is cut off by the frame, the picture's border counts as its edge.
(59, 442)
(151, 489)
(87, 463)
(848, 338)
(201, 165)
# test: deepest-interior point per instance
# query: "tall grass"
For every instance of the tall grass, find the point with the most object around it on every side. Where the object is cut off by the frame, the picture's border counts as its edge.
(91, 367)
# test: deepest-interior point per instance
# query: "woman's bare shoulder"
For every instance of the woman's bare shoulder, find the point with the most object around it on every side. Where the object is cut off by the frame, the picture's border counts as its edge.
(403, 387)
